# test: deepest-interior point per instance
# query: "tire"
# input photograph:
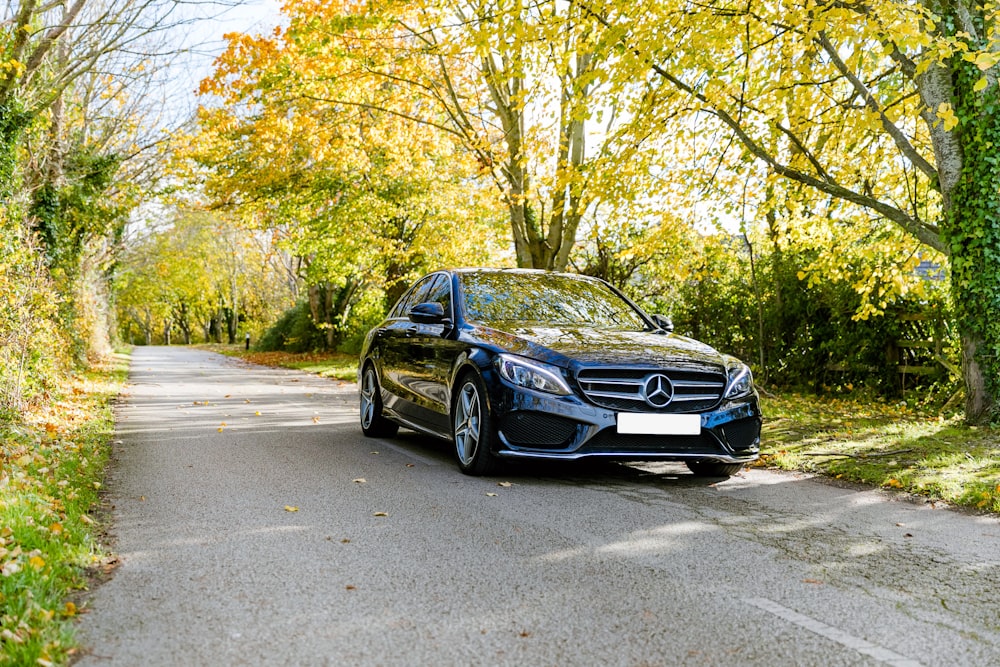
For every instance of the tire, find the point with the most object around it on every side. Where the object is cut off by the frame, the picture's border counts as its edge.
(472, 428)
(709, 468)
(373, 423)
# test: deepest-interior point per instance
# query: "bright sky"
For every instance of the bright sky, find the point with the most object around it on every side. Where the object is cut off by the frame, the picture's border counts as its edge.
(204, 40)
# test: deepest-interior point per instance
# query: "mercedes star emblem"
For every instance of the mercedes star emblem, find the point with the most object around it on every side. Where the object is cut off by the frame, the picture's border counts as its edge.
(658, 390)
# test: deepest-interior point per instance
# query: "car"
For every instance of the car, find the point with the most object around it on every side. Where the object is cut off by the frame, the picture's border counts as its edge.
(518, 364)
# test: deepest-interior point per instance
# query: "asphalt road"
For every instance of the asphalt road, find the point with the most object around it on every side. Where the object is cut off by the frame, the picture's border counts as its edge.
(256, 525)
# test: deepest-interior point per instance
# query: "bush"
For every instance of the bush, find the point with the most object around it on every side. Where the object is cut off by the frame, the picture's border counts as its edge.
(294, 331)
(796, 335)
(32, 353)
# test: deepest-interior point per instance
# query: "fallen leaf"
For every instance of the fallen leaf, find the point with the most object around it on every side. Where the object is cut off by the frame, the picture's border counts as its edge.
(36, 562)
(227, 395)
(349, 587)
(376, 453)
(109, 564)
(812, 581)
(257, 413)
(69, 609)
(907, 534)
(220, 429)
(409, 465)
(505, 485)
(345, 541)
(360, 480)
(9, 636)
(315, 420)
(525, 633)
(291, 508)
(223, 424)
(492, 495)
(380, 514)
(56, 528)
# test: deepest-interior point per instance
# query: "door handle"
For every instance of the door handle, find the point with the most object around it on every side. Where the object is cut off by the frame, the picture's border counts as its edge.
(412, 331)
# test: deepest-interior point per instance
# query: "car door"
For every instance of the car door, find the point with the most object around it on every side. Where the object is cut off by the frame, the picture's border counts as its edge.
(426, 369)
(395, 340)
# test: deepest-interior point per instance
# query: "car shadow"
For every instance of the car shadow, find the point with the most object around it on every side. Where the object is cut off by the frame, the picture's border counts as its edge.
(593, 470)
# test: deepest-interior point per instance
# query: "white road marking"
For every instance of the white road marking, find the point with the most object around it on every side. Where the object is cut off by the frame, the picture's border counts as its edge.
(835, 634)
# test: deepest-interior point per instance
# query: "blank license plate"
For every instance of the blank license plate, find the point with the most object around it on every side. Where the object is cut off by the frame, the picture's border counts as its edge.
(645, 424)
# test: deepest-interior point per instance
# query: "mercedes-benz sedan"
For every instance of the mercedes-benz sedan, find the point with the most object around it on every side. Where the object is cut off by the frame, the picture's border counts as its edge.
(518, 364)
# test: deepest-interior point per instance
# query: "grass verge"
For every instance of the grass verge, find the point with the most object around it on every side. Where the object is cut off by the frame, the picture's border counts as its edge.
(886, 445)
(335, 365)
(862, 439)
(52, 467)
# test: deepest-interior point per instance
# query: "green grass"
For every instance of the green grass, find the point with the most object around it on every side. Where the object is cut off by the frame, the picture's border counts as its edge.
(52, 468)
(886, 445)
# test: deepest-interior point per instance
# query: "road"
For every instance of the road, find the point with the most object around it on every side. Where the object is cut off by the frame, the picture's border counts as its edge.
(256, 525)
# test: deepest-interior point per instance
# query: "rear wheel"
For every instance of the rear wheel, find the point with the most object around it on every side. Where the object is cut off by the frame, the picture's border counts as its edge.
(472, 428)
(709, 468)
(373, 424)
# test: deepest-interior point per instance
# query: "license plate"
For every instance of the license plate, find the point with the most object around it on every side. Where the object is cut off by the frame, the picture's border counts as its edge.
(633, 423)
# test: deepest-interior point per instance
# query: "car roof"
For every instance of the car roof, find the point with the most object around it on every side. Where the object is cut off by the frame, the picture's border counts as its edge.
(467, 270)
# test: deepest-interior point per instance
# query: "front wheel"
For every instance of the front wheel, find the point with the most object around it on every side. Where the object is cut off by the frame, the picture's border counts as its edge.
(373, 423)
(709, 468)
(472, 428)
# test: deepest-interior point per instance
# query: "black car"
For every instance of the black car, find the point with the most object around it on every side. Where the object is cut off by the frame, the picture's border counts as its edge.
(521, 364)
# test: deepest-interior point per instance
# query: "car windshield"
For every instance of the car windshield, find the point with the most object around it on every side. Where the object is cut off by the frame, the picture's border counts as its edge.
(545, 299)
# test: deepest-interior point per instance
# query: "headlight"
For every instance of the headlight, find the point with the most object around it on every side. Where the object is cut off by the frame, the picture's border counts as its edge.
(740, 380)
(531, 374)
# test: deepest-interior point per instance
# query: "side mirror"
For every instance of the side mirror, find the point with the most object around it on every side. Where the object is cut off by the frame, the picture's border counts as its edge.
(663, 322)
(428, 313)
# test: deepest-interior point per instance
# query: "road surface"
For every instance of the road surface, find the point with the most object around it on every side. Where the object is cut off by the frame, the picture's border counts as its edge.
(256, 525)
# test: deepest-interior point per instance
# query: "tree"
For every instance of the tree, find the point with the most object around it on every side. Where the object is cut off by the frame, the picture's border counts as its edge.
(885, 107)
(201, 274)
(516, 85)
(365, 200)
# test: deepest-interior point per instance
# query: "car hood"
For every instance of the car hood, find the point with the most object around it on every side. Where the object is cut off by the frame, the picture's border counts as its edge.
(580, 347)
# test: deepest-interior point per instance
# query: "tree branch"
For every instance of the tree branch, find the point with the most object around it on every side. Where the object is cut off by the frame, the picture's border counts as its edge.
(902, 143)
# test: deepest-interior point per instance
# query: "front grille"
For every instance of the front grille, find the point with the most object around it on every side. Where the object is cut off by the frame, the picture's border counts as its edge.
(621, 389)
(537, 429)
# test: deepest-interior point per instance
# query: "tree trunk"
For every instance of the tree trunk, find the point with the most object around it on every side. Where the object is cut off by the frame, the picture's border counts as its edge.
(980, 406)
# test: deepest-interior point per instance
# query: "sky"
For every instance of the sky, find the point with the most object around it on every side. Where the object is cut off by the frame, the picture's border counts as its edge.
(204, 41)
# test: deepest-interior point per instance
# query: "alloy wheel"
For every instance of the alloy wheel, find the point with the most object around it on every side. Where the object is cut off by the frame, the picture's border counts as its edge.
(467, 423)
(368, 388)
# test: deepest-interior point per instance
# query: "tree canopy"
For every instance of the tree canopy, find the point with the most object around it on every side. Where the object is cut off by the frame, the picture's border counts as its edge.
(819, 144)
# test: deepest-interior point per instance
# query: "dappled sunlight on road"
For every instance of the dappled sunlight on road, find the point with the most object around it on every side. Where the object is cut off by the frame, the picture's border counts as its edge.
(663, 541)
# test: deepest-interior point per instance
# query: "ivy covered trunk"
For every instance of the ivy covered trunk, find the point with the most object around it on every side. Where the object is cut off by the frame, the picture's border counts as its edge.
(972, 231)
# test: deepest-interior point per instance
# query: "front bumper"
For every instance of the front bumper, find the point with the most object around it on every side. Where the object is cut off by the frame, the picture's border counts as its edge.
(531, 425)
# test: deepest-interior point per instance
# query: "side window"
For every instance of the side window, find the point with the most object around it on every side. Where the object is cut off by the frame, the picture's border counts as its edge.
(413, 297)
(440, 292)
